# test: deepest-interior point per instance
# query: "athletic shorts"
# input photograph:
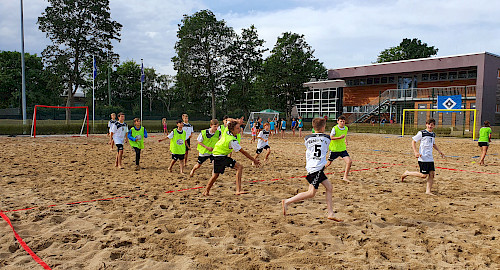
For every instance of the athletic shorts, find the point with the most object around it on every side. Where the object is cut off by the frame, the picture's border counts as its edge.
(334, 155)
(119, 147)
(223, 162)
(316, 178)
(188, 143)
(259, 150)
(426, 167)
(178, 157)
(481, 144)
(202, 159)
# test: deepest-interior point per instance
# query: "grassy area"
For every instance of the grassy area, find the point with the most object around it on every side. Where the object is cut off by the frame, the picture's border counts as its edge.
(46, 127)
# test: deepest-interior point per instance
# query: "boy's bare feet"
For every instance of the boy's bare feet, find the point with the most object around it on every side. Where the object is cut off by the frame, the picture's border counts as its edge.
(170, 169)
(240, 192)
(346, 180)
(283, 207)
(182, 172)
(403, 176)
(335, 219)
(120, 167)
(206, 193)
(191, 173)
(430, 193)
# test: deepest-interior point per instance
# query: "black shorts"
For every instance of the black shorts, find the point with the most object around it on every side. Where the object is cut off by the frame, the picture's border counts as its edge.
(316, 178)
(178, 157)
(426, 167)
(119, 147)
(334, 155)
(202, 159)
(481, 144)
(222, 162)
(188, 144)
(259, 150)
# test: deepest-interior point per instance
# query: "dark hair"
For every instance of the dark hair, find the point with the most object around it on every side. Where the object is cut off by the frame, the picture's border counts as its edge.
(214, 122)
(225, 117)
(231, 125)
(342, 117)
(120, 114)
(430, 121)
(318, 123)
(486, 123)
(137, 119)
(179, 121)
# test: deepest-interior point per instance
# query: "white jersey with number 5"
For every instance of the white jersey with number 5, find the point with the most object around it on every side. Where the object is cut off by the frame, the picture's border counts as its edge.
(317, 149)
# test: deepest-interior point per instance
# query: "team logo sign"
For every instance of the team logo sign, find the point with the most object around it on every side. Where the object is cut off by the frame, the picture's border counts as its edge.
(449, 102)
(180, 142)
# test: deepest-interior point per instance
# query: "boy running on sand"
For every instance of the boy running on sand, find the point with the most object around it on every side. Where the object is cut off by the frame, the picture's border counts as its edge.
(178, 145)
(206, 142)
(317, 148)
(338, 146)
(425, 159)
(136, 137)
(118, 134)
(227, 143)
(262, 143)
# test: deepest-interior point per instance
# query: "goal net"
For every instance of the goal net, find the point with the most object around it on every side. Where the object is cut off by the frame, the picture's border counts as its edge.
(455, 122)
(263, 115)
(49, 120)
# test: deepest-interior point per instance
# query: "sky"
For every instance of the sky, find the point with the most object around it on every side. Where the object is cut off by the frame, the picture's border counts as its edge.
(342, 32)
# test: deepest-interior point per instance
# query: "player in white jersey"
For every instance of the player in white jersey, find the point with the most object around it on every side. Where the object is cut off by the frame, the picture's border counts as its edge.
(110, 124)
(317, 149)
(118, 134)
(425, 159)
(263, 142)
(189, 132)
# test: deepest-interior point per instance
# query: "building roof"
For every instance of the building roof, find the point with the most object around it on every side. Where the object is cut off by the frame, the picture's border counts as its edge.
(412, 65)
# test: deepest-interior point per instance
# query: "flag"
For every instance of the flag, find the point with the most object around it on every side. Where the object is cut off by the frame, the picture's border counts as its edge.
(449, 102)
(94, 68)
(143, 76)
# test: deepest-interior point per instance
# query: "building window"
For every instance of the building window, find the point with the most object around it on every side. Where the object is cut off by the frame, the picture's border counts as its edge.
(350, 83)
(392, 80)
(443, 76)
(383, 80)
(462, 75)
(425, 77)
(376, 80)
(362, 81)
(356, 82)
(433, 77)
(452, 75)
(370, 80)
(472, 74)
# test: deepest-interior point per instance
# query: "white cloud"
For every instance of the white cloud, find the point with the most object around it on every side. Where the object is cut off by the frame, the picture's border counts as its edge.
(343, 33)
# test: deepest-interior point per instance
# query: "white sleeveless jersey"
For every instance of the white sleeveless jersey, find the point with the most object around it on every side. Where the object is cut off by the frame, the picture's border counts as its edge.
(317, 149)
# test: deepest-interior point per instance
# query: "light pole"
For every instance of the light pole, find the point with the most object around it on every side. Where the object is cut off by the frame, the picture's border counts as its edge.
(23, 94)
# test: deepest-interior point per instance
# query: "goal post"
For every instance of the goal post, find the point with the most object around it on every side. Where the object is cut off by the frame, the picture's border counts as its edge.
(443, 111)
(85, 119)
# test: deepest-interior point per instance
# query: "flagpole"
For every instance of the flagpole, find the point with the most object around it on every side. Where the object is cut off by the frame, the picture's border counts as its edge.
(93, 92)
(142, 80)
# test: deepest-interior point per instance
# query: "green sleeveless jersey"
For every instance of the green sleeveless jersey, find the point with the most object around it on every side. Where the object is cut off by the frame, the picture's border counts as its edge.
(339, 145)
(209, 142)
(222, 146)
(138, 143)
(178, 143)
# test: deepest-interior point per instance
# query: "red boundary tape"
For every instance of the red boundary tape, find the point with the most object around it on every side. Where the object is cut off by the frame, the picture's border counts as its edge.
(23, 244)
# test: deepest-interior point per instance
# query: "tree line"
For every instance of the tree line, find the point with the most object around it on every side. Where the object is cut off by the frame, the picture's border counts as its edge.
(219, 71)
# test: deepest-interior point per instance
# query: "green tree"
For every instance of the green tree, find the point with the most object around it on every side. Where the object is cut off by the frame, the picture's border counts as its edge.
(126, 86)
(407, 49)
(289, 66)
(78, 29)
(41, 85)
(245, 63)
(202, 54)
